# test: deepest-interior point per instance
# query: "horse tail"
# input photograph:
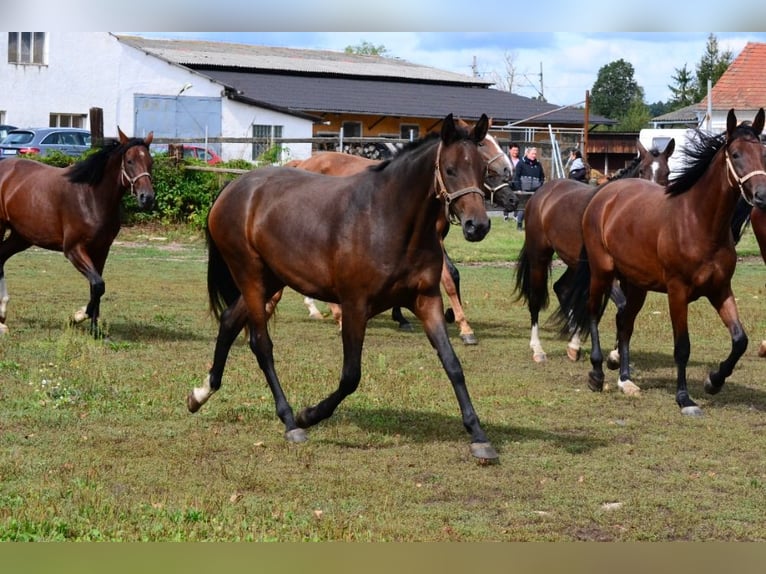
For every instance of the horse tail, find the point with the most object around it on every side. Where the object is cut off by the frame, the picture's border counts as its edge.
(573, 314)
(523, 287)
(221, 289)
(740, 219)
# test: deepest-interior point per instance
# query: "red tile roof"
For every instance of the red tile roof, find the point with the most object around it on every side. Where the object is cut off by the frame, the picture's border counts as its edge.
(743, 85)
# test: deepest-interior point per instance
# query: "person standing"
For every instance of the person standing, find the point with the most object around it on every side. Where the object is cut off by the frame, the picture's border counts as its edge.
(527, 177)
(577, 168)
(513, 154)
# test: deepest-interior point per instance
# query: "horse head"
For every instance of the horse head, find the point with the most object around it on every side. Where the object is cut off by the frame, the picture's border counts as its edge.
(136, 168)
(653, 164)
(459, 173)
(744, 158)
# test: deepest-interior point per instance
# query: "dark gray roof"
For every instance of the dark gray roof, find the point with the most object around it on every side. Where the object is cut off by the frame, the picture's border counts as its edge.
(692, 115)
(308, 93)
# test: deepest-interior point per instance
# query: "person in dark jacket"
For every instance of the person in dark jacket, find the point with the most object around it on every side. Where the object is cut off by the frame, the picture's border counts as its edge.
(528, 176)
(513, 155)
(577, 168)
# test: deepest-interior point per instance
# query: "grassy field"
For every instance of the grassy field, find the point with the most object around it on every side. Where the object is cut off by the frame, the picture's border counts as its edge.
(96, 442)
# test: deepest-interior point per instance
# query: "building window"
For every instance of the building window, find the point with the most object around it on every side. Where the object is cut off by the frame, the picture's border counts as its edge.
(67, 121)
(409, 131)
(264, 131)
(352, 129)
(26, 48)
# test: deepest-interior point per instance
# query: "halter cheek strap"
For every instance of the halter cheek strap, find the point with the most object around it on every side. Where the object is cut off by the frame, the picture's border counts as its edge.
(442, 193)
(488, 187)
(740, 180)
(132, 180)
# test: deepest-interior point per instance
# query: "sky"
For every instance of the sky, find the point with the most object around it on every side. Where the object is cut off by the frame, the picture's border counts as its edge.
(569, 61)
(656, 37)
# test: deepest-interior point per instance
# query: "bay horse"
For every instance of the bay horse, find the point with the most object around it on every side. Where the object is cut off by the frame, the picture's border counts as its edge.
(675, 240)
(368, 241)
(497, 178)
(75, 210)
(553, 218)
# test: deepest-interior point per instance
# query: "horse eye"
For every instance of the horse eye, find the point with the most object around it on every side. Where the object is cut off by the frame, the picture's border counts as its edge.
(451, 171)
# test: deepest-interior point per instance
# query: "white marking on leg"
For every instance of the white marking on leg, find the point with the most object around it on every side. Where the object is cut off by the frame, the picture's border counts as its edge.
(80, 315)
(3, 299)
(314, 312)
(538, 355)
(574, 346)
(203, 393)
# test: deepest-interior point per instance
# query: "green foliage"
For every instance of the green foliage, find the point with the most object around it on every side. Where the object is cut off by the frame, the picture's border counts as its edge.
(275, 155)
(367, 49)
(684, 89)
(615, 90)
(636, 118)
(711, 66)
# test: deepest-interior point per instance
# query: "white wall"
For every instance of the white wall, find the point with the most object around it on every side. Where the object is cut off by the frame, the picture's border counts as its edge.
(94, 69)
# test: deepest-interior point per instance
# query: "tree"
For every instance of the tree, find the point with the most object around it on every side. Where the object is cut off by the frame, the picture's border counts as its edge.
(636, 118)
(711, 66)
(506, 82)
(367, 49)
(684, 89)
(615, 90)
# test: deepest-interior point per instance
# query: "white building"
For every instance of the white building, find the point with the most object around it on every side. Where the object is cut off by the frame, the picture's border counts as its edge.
(55, 78)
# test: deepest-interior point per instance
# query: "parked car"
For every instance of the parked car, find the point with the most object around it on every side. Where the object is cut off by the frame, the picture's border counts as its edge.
(69, 141)
(200, 153)
(4, 129)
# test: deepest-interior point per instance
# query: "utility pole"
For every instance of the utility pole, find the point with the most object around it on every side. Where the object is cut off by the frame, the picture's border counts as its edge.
(542, 92)
(475, 68)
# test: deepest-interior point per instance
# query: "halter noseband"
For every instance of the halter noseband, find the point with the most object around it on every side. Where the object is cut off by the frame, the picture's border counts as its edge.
(730, 173)
(441, 190)
(488, 187)
(132, 180)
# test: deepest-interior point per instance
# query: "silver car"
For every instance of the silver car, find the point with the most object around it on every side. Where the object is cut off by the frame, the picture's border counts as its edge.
(69, 141)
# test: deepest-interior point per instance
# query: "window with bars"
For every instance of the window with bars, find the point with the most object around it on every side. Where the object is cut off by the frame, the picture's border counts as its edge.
(352, 129)
(27, 48)
(67, 121)
(264, 131)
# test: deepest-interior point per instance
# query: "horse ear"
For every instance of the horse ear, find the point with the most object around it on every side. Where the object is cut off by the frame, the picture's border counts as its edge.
(642, 151)
(449, 131)
(148, 139)
(670, 148)
(480, 129)
(731, 123)
(758, 122)
(123, 137)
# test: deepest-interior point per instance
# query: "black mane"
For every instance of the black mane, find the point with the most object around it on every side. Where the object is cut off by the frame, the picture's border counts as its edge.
(699, 152)
(632, 169)
(91, 169)
(407, 149)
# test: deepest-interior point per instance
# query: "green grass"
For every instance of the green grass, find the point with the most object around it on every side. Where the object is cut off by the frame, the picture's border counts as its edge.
(96, 442)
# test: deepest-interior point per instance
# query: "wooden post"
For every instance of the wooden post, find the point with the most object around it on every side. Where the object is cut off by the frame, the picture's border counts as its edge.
(96, 127)
(586, 124)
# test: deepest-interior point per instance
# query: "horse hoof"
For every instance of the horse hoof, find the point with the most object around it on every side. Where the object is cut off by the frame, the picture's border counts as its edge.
(629, 388)
(449, 316)
(693, 411)
(79, 316)
(469, 339)
(192, 403)
(484, 452)
(316, 316)
(613, 361)
(711, 388)
(3, 329)
(539, 357)
(296, 435)
(762, 349)
(595, 384)
(407, 327)
(574, 354)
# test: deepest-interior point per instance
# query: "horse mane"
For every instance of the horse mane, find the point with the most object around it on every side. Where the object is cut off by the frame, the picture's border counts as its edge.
(91, 169)
(699, 152)
(407, 149)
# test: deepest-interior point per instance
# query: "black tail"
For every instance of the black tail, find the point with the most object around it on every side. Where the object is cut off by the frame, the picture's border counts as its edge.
(573, 312)
(523, 287)
(221, 289)
(740, 219)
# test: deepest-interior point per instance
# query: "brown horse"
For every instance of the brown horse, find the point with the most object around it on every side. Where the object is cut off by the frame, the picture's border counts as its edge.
(366, 241)
(553, 226)
(675, 240)
(497, 188)
(74, 210)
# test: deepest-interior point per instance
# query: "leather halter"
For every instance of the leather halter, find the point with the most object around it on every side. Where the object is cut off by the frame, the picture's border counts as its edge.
(132, 180)
(740, 180)
(442, 193)
(488, 187)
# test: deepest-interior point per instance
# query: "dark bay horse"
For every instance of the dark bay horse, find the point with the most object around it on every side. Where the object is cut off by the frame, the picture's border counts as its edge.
(497, 178)
(675, 240)
(367, 241)
(553, 218)
(74, 210)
